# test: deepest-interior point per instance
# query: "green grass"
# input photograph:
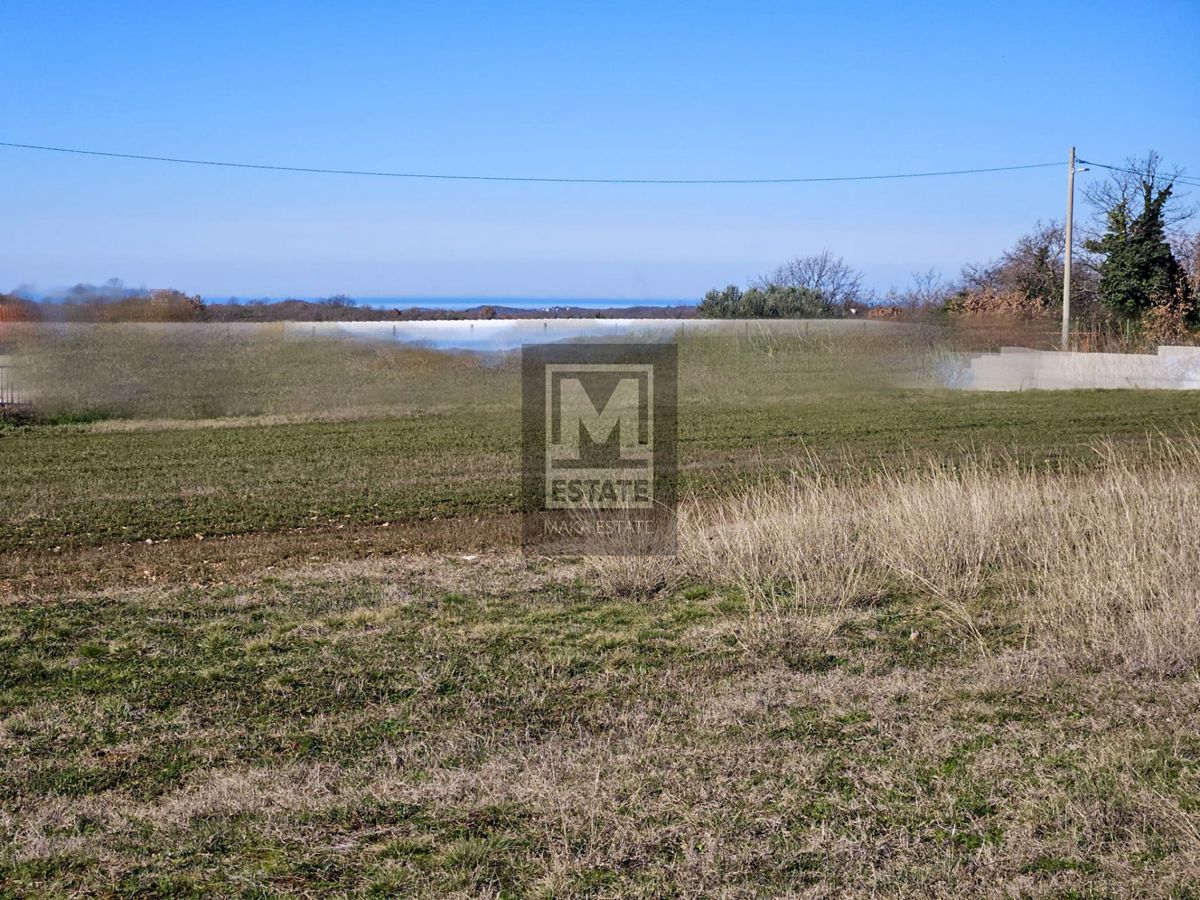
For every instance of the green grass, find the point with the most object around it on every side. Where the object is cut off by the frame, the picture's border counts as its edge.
(70, 486)
(425, 727)
(272, 714)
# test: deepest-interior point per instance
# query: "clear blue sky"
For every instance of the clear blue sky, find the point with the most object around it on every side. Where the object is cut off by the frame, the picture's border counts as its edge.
(618, 89)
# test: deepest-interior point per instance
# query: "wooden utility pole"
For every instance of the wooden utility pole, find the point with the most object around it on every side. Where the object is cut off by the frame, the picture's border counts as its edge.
(1066, 320)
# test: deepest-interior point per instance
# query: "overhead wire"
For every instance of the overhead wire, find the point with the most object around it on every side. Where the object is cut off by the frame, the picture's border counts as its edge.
(546, 179)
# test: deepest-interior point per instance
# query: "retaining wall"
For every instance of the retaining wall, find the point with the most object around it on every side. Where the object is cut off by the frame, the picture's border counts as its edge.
(1019, 369)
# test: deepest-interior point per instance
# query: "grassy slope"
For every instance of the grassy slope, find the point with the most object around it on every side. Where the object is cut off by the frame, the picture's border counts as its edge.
(78, 486)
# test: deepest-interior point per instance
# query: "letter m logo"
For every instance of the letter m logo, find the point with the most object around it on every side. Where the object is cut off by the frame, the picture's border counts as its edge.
(599, 421)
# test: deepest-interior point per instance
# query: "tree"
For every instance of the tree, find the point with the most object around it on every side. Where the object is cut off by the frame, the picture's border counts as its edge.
(1187, 250)
(926, 290)
(1032, 267)
(14, 308)
(771, 302)
(839, 283)
(780, 302)
(1138, 270)
(1027, 279)
(1125, 186)
(721, 304)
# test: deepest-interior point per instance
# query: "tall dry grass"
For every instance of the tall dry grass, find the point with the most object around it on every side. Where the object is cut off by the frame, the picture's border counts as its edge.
(1100, 569)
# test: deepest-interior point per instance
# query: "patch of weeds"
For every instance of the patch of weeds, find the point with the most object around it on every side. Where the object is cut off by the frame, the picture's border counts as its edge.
(809, 725)
(1053, 865)
(371, 814)
(904, 634)
(407, 849)
(396, 883)
(1166, 767)
(956, 762)
(813, 661)
(42, 869)
(596, 880)
(482, 864)
(93, 651)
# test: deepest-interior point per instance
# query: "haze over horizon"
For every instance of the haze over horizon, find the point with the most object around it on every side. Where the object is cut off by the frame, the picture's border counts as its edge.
(624, 91)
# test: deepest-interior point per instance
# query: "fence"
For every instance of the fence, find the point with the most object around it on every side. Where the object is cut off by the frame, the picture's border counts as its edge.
(10, 395)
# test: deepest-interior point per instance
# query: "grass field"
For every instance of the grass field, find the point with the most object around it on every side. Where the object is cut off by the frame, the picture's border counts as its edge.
(915, 643)
(80, 485)
(432, 725)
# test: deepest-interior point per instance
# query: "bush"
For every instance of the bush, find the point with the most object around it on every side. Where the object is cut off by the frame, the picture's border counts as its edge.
(772, 302)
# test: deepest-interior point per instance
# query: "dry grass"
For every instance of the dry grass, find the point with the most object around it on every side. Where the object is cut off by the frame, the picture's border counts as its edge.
(1115, 564)
(438, 726)
(971, 679)
(1102, 567)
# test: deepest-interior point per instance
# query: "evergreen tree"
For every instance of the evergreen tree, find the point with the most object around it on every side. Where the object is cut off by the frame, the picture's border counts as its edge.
(721, 304)
(771, 302)
(1139, 269)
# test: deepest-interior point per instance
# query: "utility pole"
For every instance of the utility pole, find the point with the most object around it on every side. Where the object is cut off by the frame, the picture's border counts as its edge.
(1066, 320)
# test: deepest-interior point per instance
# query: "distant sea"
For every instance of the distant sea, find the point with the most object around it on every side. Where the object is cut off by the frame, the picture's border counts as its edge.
(514, 302)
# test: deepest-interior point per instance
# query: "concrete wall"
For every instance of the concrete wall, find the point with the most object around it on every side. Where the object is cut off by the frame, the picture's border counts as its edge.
(1018, 369)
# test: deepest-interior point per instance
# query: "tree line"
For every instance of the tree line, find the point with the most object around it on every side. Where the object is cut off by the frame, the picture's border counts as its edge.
(113, 301)
(1136, 264)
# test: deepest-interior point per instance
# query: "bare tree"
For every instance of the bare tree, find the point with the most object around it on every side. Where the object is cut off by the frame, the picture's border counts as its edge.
(839, 283)
(1033, 268)
(1033, 265)
(1125, 187)
(1186, 248)
(927, 290)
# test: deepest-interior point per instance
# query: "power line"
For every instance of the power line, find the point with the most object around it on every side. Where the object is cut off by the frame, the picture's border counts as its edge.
(1174, 179)
(516, 178)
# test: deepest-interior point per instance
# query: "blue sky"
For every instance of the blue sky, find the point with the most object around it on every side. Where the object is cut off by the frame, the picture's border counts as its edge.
(619, 89)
